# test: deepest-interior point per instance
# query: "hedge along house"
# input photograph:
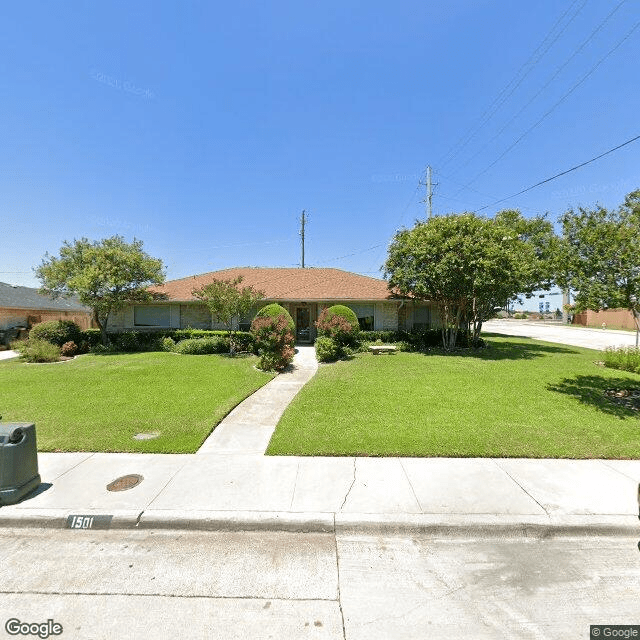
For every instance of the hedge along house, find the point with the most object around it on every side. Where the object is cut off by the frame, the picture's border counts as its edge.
(303, 292)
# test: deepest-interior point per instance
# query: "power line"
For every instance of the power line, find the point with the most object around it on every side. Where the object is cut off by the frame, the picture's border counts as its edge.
(481, 193)
(500, 100)
(557, 104)
(355, 253)
(401, 217)
(562, 173)
(551, 79)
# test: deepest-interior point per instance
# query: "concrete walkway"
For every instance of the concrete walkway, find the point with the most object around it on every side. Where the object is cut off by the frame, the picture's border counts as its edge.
(5, 355)
(249, 427)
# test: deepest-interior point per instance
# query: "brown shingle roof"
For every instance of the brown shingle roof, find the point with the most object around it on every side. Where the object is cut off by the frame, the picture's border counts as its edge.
(287, 284)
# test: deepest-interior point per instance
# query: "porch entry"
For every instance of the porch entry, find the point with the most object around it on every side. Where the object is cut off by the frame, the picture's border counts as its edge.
(303, 324)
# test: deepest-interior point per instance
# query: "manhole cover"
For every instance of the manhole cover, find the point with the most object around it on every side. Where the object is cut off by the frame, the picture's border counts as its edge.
(125, 482)
(146, 436)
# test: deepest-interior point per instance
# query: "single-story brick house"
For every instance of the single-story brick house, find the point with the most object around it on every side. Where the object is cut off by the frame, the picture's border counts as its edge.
(24, 307)
(303, 292)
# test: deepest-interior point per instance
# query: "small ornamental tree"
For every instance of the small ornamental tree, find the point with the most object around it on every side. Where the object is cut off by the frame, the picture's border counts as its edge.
(272, 329)
(226, 301)
(340, 324)
(106, 275)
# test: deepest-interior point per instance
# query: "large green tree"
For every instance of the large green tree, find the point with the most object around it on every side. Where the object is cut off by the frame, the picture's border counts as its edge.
(226, 300)
(465, 264)
(105, 275)
(600, 256)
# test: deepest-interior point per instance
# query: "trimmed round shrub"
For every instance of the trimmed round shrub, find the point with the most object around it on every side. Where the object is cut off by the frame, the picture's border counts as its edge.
(272, 331)
(274, 311)
(340, 324)
(326, 349)
(57, 332)
(343, 312)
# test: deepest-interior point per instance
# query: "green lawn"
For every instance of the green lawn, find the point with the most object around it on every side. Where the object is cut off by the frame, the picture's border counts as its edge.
(519, 398)
(99, 402)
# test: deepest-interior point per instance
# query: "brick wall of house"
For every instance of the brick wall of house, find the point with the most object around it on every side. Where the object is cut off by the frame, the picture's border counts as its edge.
(29, 317)
(196, 316)
(614, 319)
(116, 321)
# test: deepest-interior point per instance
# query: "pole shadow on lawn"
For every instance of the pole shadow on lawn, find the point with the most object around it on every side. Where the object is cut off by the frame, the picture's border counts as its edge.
(512, 350)
(600, 392)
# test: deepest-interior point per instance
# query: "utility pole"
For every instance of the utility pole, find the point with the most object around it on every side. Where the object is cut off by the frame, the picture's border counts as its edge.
(302, 223)
(429, 191)
(428, 200)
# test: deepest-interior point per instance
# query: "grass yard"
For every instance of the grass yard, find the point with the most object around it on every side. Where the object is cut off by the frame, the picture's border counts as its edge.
(519, 398)
(99, 402)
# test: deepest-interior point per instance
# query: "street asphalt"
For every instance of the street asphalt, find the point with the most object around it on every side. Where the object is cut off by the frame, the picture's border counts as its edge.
(230, 485)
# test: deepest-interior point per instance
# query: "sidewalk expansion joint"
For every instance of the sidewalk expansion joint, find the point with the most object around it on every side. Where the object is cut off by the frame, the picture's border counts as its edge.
(521, 487)
(295, 484)
(338, 596)
(413, 491)
(351, 487)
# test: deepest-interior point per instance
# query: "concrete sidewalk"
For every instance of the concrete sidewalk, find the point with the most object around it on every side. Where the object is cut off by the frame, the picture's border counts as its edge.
(247, 492)
(230, 485)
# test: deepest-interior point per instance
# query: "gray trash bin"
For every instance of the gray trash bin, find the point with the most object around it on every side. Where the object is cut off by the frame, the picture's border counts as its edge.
(18, 461)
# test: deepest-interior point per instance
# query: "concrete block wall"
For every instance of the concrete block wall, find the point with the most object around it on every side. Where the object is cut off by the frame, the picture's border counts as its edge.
(614, 319)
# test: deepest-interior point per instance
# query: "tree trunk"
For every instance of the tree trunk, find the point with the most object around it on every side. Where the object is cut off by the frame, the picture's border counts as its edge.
(103, 328)
(444, 321)
(230, 330)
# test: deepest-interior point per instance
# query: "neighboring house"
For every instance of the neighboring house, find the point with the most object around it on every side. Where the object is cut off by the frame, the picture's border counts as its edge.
(303, 292)
(24, 307)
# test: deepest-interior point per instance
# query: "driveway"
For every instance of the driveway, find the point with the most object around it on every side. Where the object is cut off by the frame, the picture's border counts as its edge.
(563, 334)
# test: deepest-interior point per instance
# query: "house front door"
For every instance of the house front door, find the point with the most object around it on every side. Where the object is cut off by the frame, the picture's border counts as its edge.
(303, 325)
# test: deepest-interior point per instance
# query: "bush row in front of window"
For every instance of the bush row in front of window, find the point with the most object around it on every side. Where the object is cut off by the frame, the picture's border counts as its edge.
(153, 340)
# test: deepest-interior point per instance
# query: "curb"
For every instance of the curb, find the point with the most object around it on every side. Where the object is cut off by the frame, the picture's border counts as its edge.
(61, 518)
(238, 521)
(435, 525)
(488, 525)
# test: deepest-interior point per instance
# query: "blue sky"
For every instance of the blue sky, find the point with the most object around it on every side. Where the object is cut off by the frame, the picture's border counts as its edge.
(205, 128)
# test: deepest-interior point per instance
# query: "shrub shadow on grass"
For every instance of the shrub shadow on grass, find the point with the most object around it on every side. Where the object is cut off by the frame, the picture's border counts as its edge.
(590, 390)
(512, 350)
